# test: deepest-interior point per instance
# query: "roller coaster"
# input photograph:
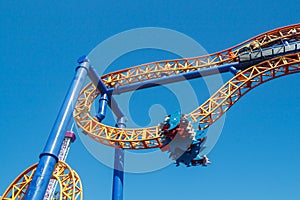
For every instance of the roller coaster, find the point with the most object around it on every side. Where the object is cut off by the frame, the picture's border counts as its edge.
(258, 60)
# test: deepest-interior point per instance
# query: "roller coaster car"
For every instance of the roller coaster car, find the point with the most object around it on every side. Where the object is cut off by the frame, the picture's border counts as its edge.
(283, 47)
(191, 155)
(178, 125)
(204, 161)
(166, 124)
(173, 125)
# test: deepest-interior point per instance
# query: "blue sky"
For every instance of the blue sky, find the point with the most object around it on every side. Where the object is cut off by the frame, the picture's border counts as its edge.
(257, 155)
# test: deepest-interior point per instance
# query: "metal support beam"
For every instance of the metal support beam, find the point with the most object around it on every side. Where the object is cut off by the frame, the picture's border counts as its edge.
(117, 191)
(233, 70)
(102, 107)
(96, 80)
(107, 99)
(49, 156)
(174, 78)
(69, 138)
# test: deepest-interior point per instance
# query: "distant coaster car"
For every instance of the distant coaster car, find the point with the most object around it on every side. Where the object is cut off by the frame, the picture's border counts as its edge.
(175, 124)
(182, 141)
(191, 155)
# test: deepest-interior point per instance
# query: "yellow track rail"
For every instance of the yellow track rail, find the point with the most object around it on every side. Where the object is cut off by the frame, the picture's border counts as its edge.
(243, 82)
(209, 111)
(69, 183)
(155, 70)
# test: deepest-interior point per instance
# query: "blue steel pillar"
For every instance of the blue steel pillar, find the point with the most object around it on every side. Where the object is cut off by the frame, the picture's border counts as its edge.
(117, 193)
(49, 156)
(102, 107)
(107, 99)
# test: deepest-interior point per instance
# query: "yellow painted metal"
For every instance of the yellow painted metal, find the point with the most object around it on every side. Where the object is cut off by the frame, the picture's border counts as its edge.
(204, 115)
(155, 70)
(140, 138)
(209, 111)
(18, 187)
(243, 82)
(69, 183)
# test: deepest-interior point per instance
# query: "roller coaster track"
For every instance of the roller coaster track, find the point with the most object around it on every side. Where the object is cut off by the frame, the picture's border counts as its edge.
(239, 85)
(68, 180)
(260, 59)
(251, 75)
(155, 70)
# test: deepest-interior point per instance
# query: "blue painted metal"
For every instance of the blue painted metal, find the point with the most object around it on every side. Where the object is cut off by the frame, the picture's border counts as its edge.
(49, 156)
(117, 191)
(200, 134)
(115, 108)
(106, 98)
(102, 107)
(190, 154)
(246, 59)
(96, 80)
(174, 119)
(233, 70)
(174, 78)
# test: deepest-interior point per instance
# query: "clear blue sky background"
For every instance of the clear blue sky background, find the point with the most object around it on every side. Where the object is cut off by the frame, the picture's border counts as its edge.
(257, 156)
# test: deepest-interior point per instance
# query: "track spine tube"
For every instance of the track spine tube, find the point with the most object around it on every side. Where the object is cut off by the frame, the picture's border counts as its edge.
(49, 156)
(174, 78)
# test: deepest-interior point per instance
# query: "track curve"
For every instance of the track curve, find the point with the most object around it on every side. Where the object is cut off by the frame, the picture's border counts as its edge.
(207, 113)
(242, 83)
(157, 69)
(69, 183)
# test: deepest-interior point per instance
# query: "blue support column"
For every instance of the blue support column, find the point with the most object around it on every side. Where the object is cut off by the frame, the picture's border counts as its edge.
(117, 191)
(107, 99)
(102, 107)
(49, 156)
(96, 80)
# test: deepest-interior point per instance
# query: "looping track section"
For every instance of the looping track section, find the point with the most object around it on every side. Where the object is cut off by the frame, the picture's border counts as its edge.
(206, 114)
(69, 183)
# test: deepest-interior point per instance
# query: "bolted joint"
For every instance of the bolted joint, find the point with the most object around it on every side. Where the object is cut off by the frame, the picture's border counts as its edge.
(121, 122)
(48, 154)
